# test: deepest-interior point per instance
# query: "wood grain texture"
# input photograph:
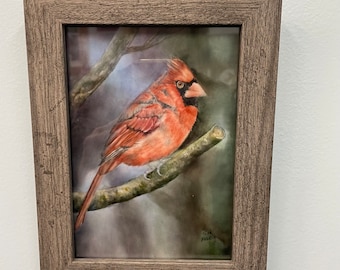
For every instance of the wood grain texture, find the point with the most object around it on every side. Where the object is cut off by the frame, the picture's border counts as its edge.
(260, 24)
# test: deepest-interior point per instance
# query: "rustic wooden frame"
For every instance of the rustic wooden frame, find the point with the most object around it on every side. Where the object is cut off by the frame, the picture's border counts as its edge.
(259, 21)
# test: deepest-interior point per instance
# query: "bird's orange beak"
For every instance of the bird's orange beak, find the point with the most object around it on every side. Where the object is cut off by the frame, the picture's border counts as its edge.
(195, 90)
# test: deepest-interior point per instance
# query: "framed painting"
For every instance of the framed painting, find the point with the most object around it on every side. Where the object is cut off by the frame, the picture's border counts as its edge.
(152, 129)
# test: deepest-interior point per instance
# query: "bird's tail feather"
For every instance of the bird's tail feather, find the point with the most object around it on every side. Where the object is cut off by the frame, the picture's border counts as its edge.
(88, 199)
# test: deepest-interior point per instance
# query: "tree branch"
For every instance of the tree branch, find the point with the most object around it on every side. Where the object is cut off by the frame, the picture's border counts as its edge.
(118, 46)
(169, 171)
(153, 41)
(102, 69)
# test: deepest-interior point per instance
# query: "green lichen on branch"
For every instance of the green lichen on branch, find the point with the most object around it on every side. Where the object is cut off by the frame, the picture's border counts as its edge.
(169, 171)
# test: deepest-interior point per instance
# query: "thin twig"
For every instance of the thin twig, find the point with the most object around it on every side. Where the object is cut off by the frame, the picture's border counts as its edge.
(153, 41)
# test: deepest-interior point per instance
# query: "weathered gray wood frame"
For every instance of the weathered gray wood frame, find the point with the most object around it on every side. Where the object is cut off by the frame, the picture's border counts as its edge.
(259, 21)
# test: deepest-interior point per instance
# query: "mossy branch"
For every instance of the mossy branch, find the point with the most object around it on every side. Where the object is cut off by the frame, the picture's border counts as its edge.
(169, 171)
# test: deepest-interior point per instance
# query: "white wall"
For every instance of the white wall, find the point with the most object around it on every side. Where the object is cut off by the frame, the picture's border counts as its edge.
(305, 203)
(304, 230)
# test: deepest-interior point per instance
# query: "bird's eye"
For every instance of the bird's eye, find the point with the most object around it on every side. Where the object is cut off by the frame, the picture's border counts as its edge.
(180, 84)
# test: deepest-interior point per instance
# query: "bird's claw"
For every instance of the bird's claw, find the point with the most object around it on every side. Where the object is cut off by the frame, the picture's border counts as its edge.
(146, 175)
(159, 170)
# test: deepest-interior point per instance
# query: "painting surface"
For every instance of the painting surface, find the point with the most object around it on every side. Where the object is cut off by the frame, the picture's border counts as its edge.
(190, 217)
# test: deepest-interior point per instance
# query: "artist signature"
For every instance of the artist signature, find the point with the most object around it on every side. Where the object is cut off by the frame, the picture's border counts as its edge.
(207, 236)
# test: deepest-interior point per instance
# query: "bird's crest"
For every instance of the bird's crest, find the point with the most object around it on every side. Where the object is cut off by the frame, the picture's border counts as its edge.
(179, 70)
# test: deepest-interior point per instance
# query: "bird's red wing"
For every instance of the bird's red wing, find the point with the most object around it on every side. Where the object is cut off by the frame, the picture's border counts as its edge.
(140, 122)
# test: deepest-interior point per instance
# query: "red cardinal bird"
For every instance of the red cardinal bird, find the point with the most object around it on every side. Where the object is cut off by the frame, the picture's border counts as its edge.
(154, 125)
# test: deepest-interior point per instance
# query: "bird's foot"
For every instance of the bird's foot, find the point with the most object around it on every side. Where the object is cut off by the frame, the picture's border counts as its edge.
(155, 166)
(150, 171)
